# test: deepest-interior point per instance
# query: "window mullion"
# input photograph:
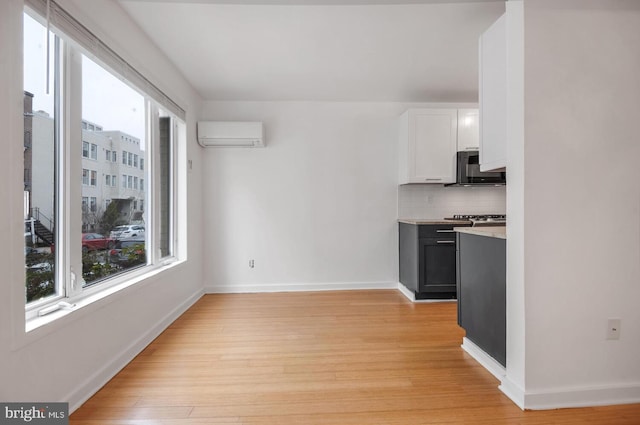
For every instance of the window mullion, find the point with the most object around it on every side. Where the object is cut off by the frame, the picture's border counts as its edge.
(153, 201)
(73, 199)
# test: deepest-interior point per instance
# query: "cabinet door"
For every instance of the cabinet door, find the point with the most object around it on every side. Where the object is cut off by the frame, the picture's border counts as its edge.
(468, 130)
(431, 139)
(493, 97)
(438, 265)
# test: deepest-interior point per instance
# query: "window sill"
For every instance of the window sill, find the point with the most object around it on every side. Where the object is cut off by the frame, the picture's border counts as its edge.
(37, 327)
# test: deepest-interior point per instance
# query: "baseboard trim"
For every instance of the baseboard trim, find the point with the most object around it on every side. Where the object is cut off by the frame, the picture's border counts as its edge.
(96, 381)
(570, 397)
(411, 296)
(513, 391)
(297, 287)
(582, 397)
(488, 362)
(407, 292)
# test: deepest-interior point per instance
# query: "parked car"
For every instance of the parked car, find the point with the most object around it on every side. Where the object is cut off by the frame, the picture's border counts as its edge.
(128, 252)
(94, 241)
(127, 231)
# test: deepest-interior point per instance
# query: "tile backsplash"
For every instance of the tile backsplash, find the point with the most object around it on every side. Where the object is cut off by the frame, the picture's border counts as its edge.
(435, 201)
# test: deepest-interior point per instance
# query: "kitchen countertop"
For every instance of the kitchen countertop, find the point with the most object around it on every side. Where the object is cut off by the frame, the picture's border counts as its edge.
(419, 221)
(499, 232)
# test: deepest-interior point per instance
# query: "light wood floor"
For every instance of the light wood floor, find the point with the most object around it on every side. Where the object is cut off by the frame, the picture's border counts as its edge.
(329, 358)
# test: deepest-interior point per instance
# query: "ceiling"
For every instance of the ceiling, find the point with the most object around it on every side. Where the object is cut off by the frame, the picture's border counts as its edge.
(352, 50)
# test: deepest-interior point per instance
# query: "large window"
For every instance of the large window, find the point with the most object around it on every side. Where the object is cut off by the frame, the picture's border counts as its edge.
(74, 219)
(41, 143)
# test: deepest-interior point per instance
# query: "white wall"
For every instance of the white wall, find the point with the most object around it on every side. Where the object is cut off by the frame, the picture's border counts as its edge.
(581, 203)
(71, 358)
(437, 201)
(318, 207)
(315, 209)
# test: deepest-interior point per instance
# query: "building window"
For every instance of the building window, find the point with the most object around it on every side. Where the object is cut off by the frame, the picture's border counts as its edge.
(101, 96)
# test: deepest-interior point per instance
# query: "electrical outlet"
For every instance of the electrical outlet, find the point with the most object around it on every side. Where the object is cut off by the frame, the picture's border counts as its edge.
(613, 328)
(251, 264)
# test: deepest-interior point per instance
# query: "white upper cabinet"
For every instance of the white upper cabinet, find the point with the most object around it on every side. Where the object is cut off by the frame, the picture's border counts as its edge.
(428, 142)
(493, 97)
(468, 130)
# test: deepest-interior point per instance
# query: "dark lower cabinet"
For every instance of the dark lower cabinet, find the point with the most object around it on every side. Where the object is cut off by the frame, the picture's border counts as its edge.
(428, 260)
(482, 293)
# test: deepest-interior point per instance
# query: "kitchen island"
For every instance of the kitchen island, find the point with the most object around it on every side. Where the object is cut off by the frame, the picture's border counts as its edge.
(481, 292)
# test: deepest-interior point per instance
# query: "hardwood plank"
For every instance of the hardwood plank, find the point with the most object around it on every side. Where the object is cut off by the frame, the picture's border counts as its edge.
(325, 358)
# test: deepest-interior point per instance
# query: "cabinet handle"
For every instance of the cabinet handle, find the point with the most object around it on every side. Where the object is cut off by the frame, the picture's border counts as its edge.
(445, 231)
(472, 148)
(432, 180)
(449, 242)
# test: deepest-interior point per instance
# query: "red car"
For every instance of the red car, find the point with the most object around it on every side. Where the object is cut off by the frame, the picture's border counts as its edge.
(93, 241)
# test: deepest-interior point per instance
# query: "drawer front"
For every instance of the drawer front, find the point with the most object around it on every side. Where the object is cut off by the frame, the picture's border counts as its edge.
(438, 231)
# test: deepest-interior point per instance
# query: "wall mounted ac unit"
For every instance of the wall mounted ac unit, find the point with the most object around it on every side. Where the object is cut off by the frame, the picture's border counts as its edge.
(230, 134)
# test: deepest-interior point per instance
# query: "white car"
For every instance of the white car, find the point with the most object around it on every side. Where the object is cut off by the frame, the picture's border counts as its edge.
(127, 231)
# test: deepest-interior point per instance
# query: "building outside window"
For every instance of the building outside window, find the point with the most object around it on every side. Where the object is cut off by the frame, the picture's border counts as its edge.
(85, 149)
(85, 176)
(94, 151)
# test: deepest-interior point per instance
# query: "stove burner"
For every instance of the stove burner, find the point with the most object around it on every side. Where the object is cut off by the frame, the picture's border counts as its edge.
(480, 217)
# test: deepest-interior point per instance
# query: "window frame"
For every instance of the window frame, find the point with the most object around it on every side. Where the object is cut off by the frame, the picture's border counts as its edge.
(70, 287)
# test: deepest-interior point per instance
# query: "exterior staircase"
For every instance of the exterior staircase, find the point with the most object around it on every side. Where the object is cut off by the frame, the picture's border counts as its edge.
(43, 232)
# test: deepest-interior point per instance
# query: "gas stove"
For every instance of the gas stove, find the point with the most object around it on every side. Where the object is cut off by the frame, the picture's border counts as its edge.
(481, 219)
